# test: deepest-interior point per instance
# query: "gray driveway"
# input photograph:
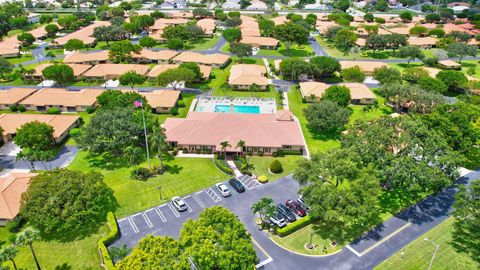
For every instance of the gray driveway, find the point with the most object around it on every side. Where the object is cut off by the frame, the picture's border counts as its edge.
(63, 158)
(363, 253)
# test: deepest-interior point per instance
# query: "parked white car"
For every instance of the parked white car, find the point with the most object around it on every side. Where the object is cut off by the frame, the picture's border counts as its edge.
(223, 189)
(179, 203)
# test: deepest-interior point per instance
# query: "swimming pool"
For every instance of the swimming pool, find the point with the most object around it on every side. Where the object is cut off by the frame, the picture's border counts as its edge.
(238, 109)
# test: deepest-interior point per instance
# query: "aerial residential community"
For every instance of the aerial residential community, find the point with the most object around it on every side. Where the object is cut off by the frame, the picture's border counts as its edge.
(239, 134)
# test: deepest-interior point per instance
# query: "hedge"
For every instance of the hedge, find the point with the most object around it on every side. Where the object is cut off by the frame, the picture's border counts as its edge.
(108, 239)
(294, 226)
(222, 166)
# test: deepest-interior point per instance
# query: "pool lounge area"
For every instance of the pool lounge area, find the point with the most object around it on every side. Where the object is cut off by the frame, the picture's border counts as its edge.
(234, 105)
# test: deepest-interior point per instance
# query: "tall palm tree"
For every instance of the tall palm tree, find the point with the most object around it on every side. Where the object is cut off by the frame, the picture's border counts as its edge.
(27, 237)
(224, 145)
(157, 140)
(240, 145)
(8, 253)
(265, 207)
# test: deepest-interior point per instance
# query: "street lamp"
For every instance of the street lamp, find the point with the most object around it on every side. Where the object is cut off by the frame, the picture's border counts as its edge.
(434, 253)
(160, 190)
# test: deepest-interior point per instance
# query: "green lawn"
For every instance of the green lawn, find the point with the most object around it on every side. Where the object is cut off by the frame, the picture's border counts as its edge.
(21, 59)
(297, 240)
(295, 51)
(185, 176)
(261, 165)
(363, 55)
(417, 255)
(80, 254)
(202, 44)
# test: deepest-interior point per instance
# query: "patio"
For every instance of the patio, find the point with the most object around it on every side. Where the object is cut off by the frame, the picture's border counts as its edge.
(250, 105)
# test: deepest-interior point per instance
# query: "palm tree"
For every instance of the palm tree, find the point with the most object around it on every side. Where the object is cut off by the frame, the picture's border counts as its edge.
(8, 253)
(265, 207)
(224, 145)
(29, 73)
(354, 51)
(27, 237)
(50, 55)
(157, 140)
(240, 145)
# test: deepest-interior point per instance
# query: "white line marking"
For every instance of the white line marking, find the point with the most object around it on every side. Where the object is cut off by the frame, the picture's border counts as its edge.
(134, 226)
(267, 261)
(188, 206)
(353, 250)
(198, 192)
(173, 210)
(386, 238)
(159, 212)
(188, 196)
(147, 220)
(198, 201)
(215, 198)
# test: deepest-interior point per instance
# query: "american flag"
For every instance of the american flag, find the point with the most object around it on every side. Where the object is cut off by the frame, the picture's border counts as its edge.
(137, 103)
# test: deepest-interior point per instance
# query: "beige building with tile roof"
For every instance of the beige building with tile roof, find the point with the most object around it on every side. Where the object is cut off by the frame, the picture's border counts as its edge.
(157, 57)
(90, 58)
(242, 76)
(359, 92)
(78, 70)
(162, 101)
(61, 124)
(208, 26)
(422, 42)
(65, 100)
(113, 71)
(11, 188)
(366, 67)
(13, 96)
(262, 133)
(449, 64)
(215, 60)
(84, 34)
(261, 42)
(10, 47)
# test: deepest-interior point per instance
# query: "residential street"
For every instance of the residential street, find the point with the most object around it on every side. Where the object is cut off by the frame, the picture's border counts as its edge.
(364, 253)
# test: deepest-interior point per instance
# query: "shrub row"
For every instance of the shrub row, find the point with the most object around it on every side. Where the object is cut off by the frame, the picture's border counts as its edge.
(222, 166)
(17, 108)
(282, 153)
(294, 226)
(107, 240)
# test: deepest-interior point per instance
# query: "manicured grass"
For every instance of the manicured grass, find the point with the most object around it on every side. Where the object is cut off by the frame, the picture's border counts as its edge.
(315, 142)
(80, 254)
(402, 66)
(363, 55)
(361, 111)
(297, 240)
(417, 255)
(185, 175)
(261, 165)
(21, 59)
(202, 44)
(225, 48)
(295, 51)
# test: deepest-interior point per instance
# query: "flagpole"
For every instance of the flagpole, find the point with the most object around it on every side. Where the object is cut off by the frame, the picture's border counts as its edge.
(146, 140)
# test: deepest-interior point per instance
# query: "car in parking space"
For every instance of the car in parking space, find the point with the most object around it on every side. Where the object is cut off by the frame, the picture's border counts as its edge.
(286, 212)
(179, 203)
(296, 208)
(237, 185)
(223, 189)
(278, 220)
(302, 203)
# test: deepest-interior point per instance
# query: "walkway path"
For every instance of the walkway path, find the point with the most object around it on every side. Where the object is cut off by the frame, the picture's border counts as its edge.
(232, 166)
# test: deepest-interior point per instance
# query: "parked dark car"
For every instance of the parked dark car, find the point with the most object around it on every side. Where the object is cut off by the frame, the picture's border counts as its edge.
(237, 185)
(286, 212)
(296, 208)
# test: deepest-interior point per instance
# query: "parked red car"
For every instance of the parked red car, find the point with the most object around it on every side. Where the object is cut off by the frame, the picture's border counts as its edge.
(296, 208)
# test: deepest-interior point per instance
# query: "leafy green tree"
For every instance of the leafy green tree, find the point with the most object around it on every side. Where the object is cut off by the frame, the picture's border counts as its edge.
(201, 13)
(265, 207)
(432, 85)
(406, 16)
(241, 50)
(266, 27)
(5, 67)
(368, 17)
(432, 18)
(74, 45)
(411, 53)
(455, 80)
(461, 50)
(338, 94)
(345, 40)
(232, 35)
(175, 77)
(52, 30)
(343, 5)
(118, 253)
(217, 240)
(147, 42)
(26, 238)
(413, 74)
(290, 33)
(324, 66)
(69, 22)
(35, 139)
(376, 42)
(193, 67)
(60, 73)
(437, 32)
(353, 74)
(156, 252)
(386, 75)
(295, 68)
(109, 33)
(446, 14)
(467, 217)
(459, 36)
(411, 98)
(132, 78)
(27, 39)
(233, 22)
(381, 5)
(175, 44)
(418, 31)
(8, 253)
(52, 197)
(126, 5)
(114, 99)
(326, 116)
(194, 32)
(174, 31)
(157, 14)
(121, 51)
(46, 18)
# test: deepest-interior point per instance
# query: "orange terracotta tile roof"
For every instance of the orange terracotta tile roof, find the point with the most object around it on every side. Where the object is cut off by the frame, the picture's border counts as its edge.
(206, 59)
(60, 123)
(62, 96)
(257, 130)
(420, 41)
(208, 25)
(317, 89)
(103, 70)
(365, 66)
(163, 55)
(246, 74)
(81, 57)
(161, 23)
(11, 188)
(158, 69)
(15, 95)
(9, 46)
(78, 69)
(161, 98)
(84, 34)
(260, 41)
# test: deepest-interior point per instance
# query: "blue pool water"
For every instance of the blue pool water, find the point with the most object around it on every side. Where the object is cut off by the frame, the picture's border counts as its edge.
(238, 109)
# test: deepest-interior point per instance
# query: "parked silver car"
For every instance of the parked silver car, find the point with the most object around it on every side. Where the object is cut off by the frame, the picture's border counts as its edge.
(179, 203)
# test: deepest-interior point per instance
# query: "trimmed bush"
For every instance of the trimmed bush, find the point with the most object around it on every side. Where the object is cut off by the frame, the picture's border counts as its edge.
(15, 224)
(54, 111)
(289, 152)
(430, 61)
(263, 179)
(13, 108)
(89, 109)
(174, 111)
(353, 74)
(294, 226)
(140, 174)
(107, 240)
(181, 103)
(276, 166)
(222, 166)
(21, 108)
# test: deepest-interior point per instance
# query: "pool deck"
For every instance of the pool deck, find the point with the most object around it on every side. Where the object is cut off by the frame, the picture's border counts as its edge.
(209, 104)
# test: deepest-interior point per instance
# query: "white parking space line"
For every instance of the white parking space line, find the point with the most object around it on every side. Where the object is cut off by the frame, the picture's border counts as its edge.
(159, 212)
(132, 223)
(173, 210)
(214, 196)
(149, 222)
(198, 201)
(353, 250)
(266, 261)
(188, 206)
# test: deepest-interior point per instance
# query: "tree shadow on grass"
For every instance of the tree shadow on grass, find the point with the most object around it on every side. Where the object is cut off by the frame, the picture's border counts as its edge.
(106, 161)
(379, 55)
(406, 65)
(174, 169)
(63, 266)
(294, 52)
(324, 136)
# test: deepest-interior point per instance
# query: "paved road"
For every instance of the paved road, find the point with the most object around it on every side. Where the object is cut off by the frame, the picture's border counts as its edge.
(363, 253)
(66, 155)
